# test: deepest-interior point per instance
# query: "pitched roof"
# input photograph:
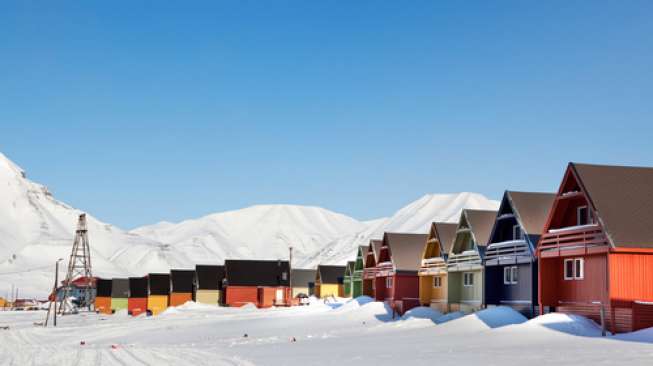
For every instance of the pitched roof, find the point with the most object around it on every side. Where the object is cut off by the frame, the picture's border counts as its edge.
(376, 246)
(446, 232)
(245, 272)
(623, 199)
(302, 277)
(405, 250)
(531, 209)
(350, 267)
(480, 223)
(363, 249)
(331, 274)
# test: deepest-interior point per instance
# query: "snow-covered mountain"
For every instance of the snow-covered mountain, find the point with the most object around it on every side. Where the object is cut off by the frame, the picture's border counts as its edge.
(416, 217)
(36, 229)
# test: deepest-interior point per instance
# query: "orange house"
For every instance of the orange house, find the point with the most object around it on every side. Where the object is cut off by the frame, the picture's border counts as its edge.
(596, 250)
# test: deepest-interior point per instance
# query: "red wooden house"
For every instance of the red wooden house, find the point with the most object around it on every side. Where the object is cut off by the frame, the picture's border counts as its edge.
(596, 251)
(400, 258)
(260, 282)
(369, 269)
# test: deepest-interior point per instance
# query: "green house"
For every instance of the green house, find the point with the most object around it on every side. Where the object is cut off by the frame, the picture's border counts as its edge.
(348, 277)
(357, 277)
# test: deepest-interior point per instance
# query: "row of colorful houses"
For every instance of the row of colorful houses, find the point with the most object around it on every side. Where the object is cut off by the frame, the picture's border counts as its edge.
(586, 249)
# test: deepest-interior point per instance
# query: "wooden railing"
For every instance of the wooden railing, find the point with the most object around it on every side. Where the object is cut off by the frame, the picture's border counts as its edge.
(583, 239)
(468, 259)
(512, 248)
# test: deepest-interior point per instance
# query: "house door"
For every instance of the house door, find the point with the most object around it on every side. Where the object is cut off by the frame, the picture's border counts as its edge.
(279, 296)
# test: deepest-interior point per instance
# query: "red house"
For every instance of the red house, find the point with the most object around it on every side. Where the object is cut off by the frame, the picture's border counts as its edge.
(596, 250)
(400, 258)
(262, 283)
(369, 269)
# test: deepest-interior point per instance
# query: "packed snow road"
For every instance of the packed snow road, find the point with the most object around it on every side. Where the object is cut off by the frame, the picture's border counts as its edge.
(355, 332)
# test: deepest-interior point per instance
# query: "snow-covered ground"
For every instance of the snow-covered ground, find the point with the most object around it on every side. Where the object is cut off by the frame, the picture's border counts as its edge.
(355, 332)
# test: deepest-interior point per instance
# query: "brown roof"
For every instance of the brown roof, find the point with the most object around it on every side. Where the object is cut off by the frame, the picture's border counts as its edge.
(446, 232)
(480, 223)
(405, 250)
(622, 197)
(531, 209)
(376, 246)
(331, 274)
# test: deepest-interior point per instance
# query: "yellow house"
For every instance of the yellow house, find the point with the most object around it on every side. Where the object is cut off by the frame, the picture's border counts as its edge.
(433, 269)
(158, 292)
(329, 281)
(3, 302)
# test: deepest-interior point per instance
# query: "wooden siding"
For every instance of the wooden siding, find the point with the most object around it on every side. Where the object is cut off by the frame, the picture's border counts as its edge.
(241, 295)
(327, 290)
(137, 305)
(368, 288)
(556, 291)
(103, 305)
(465, 298)
(210, 297)
(521, 296)
(631, 276)
(118, 303)
(429, 294)
(180, 298)
(357, 287)
(157, 303)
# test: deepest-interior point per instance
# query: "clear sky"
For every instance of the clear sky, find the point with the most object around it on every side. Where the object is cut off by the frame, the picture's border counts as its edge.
(139, 111)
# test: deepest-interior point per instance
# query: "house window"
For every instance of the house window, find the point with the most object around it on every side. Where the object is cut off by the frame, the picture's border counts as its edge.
(388, 282)
(574, 269)
(468, 279)
(437, 282)
(510, 275)
(284, 276)
(584, 216)
(579, 268)
(517, 234)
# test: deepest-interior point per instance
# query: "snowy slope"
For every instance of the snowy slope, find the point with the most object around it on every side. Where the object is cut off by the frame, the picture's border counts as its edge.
(264, 231)
(413, 218)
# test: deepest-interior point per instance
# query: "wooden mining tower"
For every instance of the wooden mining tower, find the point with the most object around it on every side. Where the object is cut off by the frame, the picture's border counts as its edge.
(79, 266)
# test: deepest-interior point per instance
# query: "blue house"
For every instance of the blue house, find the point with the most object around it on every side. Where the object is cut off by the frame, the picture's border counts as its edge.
(510, 261)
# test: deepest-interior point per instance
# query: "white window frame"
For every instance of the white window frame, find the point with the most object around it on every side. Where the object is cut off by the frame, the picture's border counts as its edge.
(515, 230)
(514, 275)
(581, 275)
(577, 272)
(388, 282)
(510, 275)
(437, 281)
(470, 276)
(506, 271)
(568, 276)
(578, 215)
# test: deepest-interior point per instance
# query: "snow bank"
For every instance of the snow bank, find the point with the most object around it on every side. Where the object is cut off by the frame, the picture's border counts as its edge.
(644, 335)
(567, 323)
(356, 303)
(422, 312)
(480, 321)
(500, 316)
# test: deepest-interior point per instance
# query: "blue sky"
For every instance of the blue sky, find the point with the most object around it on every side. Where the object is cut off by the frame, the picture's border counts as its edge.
(139, 112)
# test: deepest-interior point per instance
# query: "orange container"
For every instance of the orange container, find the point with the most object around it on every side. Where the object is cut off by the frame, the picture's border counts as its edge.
(180, 298)
(103, 305)
(137, 305)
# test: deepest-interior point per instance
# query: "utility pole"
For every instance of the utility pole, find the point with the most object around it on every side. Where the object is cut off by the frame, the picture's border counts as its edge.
(53, 302)
(79, 265)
